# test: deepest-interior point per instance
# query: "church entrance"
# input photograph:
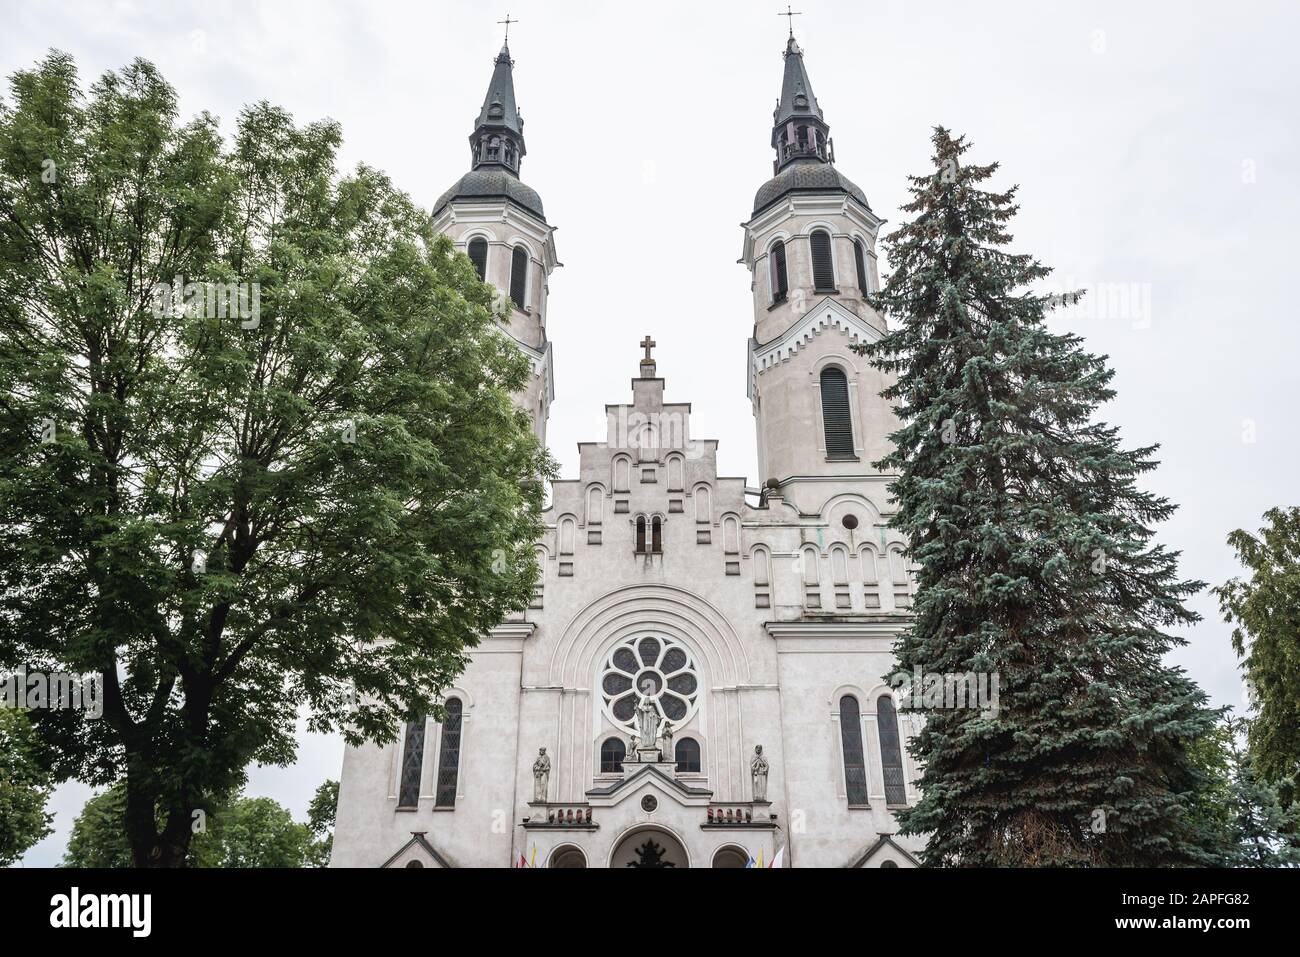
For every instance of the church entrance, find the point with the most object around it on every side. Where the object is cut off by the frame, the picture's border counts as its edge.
(649, 847)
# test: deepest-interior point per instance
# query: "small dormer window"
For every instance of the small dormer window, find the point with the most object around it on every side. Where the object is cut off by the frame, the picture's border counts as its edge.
(800, 101)
(495, 112)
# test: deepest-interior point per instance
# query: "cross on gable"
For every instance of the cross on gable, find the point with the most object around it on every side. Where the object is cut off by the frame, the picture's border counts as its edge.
(647, 344)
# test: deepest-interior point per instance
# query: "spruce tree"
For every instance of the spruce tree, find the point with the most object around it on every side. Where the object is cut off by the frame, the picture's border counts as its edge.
(1036, 560)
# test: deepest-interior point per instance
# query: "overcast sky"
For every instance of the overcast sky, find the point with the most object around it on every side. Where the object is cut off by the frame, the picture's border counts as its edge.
(1155, 144)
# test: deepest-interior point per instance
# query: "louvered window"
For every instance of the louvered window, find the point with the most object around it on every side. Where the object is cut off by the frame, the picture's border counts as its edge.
(412, 764)
(855, 768)
(823, 270)
(449, 756)
(478, 255)
(835, 413)
(519, 276)
(780, 284)
(860, 260)
(891, 752)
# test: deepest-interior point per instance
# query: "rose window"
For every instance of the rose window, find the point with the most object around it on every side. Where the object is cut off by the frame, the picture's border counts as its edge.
(654, 666)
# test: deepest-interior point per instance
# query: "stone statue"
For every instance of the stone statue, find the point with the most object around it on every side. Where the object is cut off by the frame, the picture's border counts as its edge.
(667, 735)
(632, 757)
(541, 776)
(758, 771)
(647, 722)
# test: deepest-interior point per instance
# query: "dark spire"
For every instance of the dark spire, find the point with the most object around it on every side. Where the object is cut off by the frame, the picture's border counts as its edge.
(498, 137)
(798, 130)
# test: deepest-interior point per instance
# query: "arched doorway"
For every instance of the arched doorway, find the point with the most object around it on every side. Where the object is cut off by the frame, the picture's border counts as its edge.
(649, 847)
(731, 856)
(567, 856)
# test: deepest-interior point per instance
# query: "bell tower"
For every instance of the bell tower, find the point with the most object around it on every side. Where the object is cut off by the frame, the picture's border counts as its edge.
(810, 246)
(499, 222)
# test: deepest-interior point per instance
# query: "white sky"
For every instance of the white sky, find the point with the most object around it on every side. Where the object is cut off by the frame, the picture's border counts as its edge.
(1155, 144)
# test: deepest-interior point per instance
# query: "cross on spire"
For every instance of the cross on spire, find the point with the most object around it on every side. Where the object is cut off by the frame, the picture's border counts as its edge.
(790, 15)
(507, 21)
(647, 344)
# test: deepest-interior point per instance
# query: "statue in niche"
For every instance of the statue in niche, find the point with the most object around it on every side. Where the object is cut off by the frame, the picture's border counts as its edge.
(541, 776)
(758, 771)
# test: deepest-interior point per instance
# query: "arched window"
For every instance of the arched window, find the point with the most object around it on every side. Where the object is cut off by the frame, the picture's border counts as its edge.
(888, 864)
(412, 764)
(780, 284)
(823, 269)
(612, 753)
(449, 756)
(519, 276)
(478, 255)
(891, 752)
(688, 756)
(860, 260)
(656, 535)
(413, 864)
(855, 767)
(640, 533)
(836, 418)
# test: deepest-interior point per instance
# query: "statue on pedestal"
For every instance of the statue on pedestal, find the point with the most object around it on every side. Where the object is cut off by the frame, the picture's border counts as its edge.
(758, 771)
(667, 735)
(647, 722)
(541, 776)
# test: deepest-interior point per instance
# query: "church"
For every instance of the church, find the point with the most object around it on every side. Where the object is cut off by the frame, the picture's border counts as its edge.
(699, 678)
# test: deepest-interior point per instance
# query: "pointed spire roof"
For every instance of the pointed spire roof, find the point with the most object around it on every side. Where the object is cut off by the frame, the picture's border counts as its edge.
(797, 99)
(499, 109)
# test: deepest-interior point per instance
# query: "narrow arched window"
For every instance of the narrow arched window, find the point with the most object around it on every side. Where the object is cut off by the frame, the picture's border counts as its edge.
(860, 260)
(891, 751)
(640, 533)
(688, 756)
(855, 768)
(519, 276)
(656, 535)
(612, 753)
(412, 764)
(823, 269)
(449, 755)
(478, 255)
(780, 284)
(835, 413)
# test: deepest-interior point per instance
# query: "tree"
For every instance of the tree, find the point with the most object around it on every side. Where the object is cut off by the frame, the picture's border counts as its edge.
(1265, 610)
(244, 832)
(24, 787)
(1265, 829)
(1035, 559)
(257, 443)
(321, 814)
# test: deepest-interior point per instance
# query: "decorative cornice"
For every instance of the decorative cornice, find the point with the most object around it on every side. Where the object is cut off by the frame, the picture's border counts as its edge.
(826, 314)
(862, 626)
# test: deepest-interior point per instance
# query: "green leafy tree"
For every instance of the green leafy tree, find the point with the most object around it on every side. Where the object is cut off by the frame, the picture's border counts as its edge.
(1036, 560)
(1265, 612)
(24, 787)
(320, 499)
(244, 832)
(321, 814)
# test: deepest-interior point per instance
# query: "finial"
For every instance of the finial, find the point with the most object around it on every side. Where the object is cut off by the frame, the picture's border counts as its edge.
(789, 15)
(648, 363)
(507, 21)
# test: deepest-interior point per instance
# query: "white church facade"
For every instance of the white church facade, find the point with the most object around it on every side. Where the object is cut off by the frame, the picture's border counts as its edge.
(699, 680)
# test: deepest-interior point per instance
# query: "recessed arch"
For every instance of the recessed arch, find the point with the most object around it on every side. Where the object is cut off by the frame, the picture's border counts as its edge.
(625, 847)
(730, 855)
(566, 855)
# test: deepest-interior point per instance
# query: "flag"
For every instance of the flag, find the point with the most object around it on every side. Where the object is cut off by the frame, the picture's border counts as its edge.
(523, 861)
(760, 857)
(750, 862)
(778, 858)
(533, 863)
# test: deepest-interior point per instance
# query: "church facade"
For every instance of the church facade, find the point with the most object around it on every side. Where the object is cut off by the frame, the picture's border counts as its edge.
(699, 680)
